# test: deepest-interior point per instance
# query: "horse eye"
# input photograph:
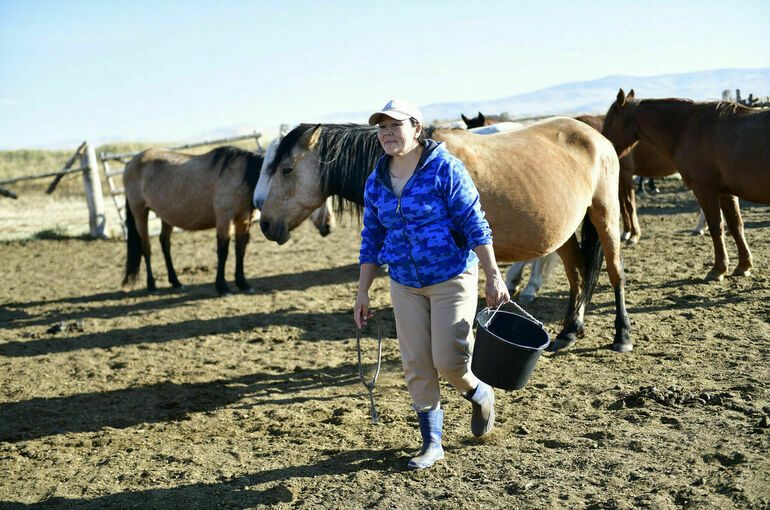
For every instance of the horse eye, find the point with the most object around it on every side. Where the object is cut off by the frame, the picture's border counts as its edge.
(287, 170)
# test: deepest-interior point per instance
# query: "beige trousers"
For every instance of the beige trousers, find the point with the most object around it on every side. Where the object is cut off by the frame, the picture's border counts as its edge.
(435, 334)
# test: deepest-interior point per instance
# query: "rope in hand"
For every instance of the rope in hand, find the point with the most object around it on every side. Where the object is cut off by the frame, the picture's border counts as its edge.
(369, 385)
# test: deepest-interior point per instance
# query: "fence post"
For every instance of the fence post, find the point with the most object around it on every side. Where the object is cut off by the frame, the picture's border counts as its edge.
(93, 188)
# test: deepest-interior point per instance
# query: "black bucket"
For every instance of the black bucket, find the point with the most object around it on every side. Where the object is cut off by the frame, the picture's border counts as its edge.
(507, 348)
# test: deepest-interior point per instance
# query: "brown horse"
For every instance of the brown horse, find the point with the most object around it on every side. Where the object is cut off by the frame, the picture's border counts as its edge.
(722, 151)
(643, 160)
(193, 193)
(482, 120)
(537, 184)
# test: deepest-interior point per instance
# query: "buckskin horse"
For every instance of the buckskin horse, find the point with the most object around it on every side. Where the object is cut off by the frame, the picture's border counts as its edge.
(721, 150)
(536, 185)
(193, 193)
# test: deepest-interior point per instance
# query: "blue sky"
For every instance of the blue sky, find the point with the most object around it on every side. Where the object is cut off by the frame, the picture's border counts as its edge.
(166, 70)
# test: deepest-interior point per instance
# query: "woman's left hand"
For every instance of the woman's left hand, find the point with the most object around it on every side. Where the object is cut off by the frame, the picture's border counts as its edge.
(496, 291)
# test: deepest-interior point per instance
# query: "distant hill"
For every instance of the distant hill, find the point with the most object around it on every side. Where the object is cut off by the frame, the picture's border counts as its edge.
(595, 96)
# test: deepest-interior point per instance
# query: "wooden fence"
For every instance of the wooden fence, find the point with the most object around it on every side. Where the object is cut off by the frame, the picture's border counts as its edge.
(751, 101)
(91, 183)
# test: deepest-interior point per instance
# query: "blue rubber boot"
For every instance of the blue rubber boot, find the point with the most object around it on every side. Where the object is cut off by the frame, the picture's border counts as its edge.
(483, 401)
(431, 423)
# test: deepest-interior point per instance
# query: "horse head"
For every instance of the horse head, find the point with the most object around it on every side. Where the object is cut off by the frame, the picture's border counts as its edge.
(479, 121)
(294, 189)
(323, 218)
(619, 126)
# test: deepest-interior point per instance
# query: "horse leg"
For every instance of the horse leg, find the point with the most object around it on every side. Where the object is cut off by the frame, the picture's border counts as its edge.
(625, 194)
(652, 186)
(165, 244)
(533, 284)
(700, 228)
(223, 247)
(574, 265)
(628, 208)
(602, 214)
(542, 270)
(144, 235)
(513, 276)
(709, 202)
(732, 215)
(241, 240)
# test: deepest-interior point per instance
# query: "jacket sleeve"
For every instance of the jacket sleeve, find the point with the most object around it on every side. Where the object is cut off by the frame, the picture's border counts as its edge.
(464, 206)
(373, 233)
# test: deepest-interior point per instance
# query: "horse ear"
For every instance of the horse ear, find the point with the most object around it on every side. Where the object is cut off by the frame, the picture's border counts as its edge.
(630, 94)
(465, 119)
(311, 137)
(481, 117)
(621, 99)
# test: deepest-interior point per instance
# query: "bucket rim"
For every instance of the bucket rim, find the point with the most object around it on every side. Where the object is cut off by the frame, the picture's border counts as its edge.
(526, 347)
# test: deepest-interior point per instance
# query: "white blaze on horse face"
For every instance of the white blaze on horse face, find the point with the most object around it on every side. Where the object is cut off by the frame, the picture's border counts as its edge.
(295, 189)
(263, 184)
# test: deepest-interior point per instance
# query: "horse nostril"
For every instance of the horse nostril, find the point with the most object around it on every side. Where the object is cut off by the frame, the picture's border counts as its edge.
(264, 225)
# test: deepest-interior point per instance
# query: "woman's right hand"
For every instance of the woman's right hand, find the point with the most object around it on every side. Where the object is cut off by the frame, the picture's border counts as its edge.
(361, 310)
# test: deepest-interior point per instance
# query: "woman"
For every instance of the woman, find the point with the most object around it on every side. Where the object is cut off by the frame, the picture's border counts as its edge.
(422, 218)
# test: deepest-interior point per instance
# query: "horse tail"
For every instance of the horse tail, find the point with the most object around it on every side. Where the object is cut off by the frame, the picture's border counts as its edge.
(591, 249)
(133, 248)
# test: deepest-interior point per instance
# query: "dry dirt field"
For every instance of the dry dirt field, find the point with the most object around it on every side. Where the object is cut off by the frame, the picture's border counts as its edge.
(186, 400)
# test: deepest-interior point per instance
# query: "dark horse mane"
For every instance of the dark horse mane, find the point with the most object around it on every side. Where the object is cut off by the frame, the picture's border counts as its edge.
(222, 157)
(347, 155)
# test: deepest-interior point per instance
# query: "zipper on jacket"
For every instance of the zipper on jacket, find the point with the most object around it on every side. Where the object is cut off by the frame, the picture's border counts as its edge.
(406, 238)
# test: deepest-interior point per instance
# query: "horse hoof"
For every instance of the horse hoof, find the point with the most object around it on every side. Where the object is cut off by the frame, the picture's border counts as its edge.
(741, 272)
(622, 346)
(632, 241)
(714, 276)
(696, 233)
(249, 290)
(526, 298)
(625, 236)
(562, 343)
(153, 292)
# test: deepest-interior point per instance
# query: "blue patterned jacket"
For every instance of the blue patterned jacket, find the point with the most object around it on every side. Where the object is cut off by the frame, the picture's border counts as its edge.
(427, 236)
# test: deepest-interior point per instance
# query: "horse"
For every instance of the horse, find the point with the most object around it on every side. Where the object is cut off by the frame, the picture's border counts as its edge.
(537, 184)
(193, 193)
(720, 148)
(483, 120)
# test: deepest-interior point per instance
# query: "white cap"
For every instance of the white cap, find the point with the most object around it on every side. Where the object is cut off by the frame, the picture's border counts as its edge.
(397, 109)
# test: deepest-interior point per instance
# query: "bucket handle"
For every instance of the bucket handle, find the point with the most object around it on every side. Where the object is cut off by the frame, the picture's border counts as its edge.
(517, 306)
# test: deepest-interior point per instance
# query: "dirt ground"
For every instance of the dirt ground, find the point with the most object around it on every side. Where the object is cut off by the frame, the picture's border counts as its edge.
(113, 398)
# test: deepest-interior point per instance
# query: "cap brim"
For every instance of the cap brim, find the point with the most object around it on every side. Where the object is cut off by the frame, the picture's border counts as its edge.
(375, 117)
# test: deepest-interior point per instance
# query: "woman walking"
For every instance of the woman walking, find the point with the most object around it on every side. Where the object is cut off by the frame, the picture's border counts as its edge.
(422, 218)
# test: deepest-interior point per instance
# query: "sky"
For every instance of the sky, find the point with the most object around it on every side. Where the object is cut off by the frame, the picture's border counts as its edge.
(171, 70)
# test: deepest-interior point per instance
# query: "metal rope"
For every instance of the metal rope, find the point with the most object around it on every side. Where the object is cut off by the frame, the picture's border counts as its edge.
(369, 385)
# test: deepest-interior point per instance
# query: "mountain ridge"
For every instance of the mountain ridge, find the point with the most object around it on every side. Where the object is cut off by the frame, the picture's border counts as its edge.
(595, 96)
